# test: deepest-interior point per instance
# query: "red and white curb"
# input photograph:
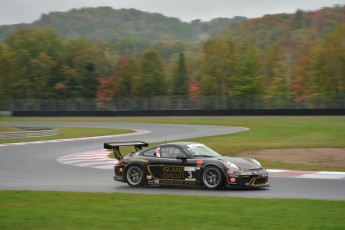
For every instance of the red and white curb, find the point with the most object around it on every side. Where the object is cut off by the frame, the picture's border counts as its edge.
(100, 159)
(306, 174)
(94, 159)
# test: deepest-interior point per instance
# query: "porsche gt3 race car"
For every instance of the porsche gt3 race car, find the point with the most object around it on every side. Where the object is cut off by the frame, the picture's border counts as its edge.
(185, 163)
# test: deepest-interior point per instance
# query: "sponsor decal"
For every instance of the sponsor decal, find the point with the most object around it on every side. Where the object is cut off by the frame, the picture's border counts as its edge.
(189, 169)
(194, 145)
(178, 182)
(230, 171)
(262, 174)
(171, 172)
(149, 177)
(175, 173)
(120, 169)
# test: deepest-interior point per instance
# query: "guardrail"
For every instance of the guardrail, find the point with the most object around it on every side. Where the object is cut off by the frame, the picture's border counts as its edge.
(23, 134)
(167, 103)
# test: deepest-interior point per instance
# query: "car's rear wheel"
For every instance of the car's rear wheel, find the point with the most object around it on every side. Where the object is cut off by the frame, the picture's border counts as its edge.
(135, 176)
(212, 178)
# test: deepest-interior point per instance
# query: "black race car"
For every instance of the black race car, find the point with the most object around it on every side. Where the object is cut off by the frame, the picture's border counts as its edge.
(185, 163)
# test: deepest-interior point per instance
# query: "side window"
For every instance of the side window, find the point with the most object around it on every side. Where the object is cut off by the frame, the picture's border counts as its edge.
(171, 152)
(149, 153)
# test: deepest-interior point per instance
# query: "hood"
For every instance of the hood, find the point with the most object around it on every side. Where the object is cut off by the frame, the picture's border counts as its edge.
(242, 162)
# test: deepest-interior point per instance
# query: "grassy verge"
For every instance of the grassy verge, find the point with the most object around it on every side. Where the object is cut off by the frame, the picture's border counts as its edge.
(265, 132)
(4, 129)
(66, 210)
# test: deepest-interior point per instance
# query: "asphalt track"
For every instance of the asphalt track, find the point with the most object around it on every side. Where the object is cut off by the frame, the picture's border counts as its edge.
(34, 166)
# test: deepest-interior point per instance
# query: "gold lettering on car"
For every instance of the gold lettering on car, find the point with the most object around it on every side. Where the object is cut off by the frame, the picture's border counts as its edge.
(175, 173)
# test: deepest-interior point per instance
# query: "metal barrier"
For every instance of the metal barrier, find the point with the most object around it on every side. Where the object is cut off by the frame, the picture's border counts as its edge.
(172, 103)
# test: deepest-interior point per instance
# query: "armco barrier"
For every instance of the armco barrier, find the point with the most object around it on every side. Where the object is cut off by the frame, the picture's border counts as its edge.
(233, 112)
(5, 113)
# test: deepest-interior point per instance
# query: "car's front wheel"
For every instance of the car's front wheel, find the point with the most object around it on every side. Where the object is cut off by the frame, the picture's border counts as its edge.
(212, 178)
(135, 176)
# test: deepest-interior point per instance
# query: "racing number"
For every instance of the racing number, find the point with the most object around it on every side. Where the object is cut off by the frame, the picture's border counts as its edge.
(190, 174)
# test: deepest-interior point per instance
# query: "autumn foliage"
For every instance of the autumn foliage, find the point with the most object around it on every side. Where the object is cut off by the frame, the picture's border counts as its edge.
(292, 56)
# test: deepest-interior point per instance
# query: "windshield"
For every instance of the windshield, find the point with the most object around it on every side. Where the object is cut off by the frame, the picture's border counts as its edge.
(200, 150)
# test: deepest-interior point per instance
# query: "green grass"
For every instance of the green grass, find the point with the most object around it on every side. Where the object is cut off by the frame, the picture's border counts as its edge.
(4, 129)
(65, 132)
(67, 210)
(265, 132)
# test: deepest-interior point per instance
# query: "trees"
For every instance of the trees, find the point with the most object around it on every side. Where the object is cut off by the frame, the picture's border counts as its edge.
(36, 54)
(328, 69)
(295, 57)
(83, 62)
(335, 59)
(217, 67)
(7, 73)
(248, 73)
(127, 72)
(44, 65)
(152, 79)
(277, 76)
(180, 77)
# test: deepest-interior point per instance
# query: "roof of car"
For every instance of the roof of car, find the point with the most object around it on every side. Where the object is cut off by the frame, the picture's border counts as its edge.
(181, 144)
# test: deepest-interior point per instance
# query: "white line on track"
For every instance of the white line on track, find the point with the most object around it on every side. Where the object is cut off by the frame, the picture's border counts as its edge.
(100, 159)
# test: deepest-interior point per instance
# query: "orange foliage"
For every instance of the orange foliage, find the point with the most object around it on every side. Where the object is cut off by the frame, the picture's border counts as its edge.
(194, 90)
(107, 89)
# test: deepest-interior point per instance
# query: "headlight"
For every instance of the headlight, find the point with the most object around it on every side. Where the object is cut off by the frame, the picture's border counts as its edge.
(256, 162)
(231, 165)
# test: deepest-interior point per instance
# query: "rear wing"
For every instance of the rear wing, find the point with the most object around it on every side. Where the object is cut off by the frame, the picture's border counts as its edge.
(115, 146)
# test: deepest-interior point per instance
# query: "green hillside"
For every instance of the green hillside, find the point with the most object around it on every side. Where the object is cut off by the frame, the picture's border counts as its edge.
(288, 28)
(106, 24)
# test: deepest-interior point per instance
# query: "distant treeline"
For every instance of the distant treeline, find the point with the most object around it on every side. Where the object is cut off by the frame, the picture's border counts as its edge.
(297, 56)
(104, 24)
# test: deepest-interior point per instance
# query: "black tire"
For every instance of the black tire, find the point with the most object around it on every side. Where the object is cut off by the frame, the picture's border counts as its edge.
(212, 177)
(135, 176)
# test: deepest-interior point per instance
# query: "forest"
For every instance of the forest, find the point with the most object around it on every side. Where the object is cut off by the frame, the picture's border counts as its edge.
(290, 59)
(104, 24)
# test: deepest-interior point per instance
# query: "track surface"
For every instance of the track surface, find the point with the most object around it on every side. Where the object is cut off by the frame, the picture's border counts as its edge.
(34, 166)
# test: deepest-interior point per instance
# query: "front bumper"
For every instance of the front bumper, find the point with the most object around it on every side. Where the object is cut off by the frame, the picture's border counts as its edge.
(248, 179)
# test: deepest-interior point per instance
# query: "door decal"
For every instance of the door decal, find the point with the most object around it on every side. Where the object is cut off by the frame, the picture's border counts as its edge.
(173, 172)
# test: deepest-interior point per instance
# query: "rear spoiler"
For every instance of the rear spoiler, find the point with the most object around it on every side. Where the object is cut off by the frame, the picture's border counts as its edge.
(115, 146)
